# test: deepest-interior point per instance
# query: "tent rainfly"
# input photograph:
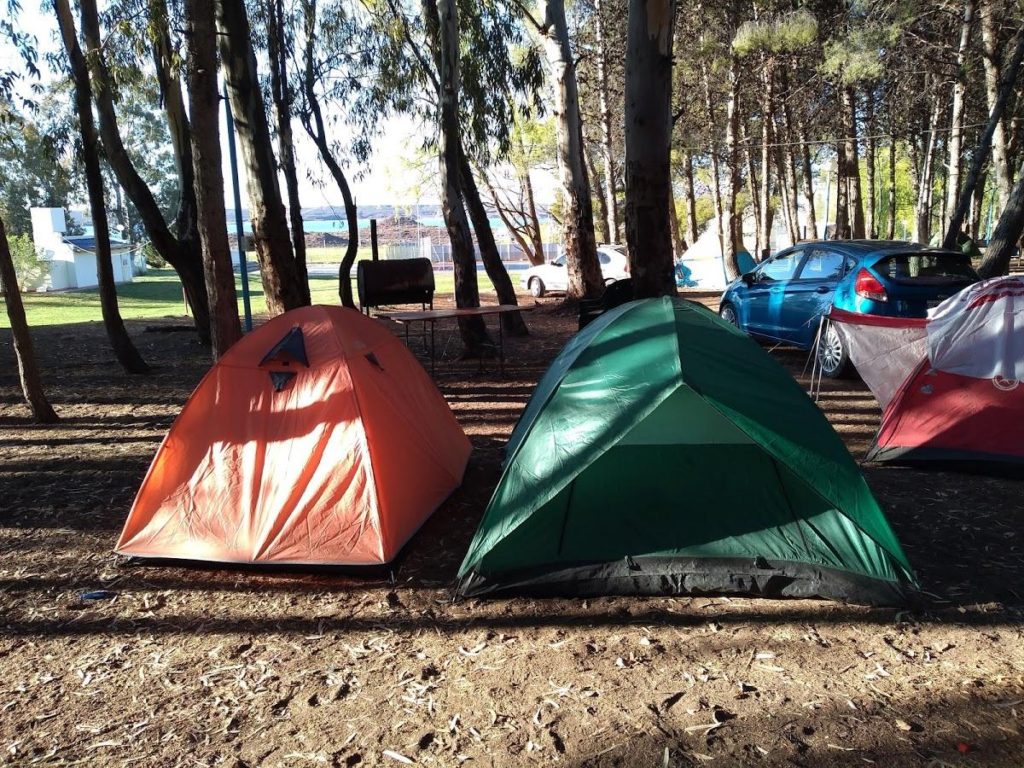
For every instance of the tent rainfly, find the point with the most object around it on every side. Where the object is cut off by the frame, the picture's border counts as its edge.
(949, 384)
(318, 439)
(664, 452)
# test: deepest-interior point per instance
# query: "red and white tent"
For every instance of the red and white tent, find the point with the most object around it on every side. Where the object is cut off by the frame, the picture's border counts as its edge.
(951, 386)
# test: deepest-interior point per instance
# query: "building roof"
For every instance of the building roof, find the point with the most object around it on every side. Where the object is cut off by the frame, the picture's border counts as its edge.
(88, 242)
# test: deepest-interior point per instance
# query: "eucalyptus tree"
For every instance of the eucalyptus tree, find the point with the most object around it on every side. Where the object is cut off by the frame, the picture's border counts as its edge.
(584, 270)
(383, 60)
(204, 108)
(178, 241)
(24, 350)
(648, 146)
(280, 40)
(124, 350)
(327, 34)
(284, 286)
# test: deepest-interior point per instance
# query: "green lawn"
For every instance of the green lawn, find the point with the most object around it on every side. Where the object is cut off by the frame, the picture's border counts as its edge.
(158, 294)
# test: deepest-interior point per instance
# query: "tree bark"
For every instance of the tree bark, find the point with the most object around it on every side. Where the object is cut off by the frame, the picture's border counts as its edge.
(28, 368)
(511, 321)
(842, 225)
(956, 130)
(164, 60)
(282, 287)
(578, 221)
(611, 213)
(313, 122)
(991, 51)
(648, 147)
(755, 200)
(767, 109)
(731, 229)
(926, 177)
(691, 199)
(124, 350)
(716, 180)
(1007, 233)
(987, 143)
(602, 201)
(852, 162)
(891, 224)
(181, 252)
(473, 331)
(280, 89)
(870, 149)
(678, 243)
(807, 177)
(204, 107)
(789, 192)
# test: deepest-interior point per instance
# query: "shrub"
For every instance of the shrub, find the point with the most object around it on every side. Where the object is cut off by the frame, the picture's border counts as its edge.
(30, 268)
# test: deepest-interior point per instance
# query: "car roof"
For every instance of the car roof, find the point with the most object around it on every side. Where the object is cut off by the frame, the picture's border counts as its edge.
(862, 248)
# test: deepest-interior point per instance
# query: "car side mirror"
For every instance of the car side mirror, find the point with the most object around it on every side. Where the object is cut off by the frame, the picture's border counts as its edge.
(749, 278)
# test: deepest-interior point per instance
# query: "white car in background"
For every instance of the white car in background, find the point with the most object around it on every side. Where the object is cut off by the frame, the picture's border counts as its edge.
(553, 277)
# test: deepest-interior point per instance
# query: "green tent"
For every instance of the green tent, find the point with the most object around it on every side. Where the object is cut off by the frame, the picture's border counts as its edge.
(664, 452)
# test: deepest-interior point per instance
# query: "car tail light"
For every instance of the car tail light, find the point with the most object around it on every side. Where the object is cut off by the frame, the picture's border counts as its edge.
(867, 285)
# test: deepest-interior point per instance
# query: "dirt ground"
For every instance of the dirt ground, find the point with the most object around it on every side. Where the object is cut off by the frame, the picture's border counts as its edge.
(225, 668)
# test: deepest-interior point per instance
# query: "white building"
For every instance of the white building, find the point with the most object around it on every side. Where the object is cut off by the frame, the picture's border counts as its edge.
(72, 258)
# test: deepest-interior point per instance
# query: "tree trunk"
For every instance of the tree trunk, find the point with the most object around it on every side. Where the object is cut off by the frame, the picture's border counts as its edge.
(987, 143)
(789, 193)
(28, 369)
(730, 234)
(755, 201)
(807, 178)
(164, 60)
(956, 130)
(1007, 233)
(124, 350)
(678, 243)
(870, 224)
(977, 203)
(991, 51)
(313, 122)
(691, 200)
(716, 180)
(512, 321)
(474, 333)
(578, 220)
(204, 108)
(611, 212)
(852, 162)
(181, 252)
(277, 51)
(926, 177)
(282, 288)
(764, 237)
(602, 201)
(891, 225)
(648, 147)
(842, 225)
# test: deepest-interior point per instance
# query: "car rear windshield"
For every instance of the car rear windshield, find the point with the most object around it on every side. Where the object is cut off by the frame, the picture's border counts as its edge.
(927, 267)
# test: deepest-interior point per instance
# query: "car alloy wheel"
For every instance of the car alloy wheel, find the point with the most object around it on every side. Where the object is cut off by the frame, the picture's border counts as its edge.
(728, 313)
(536, 287)
(831, 355)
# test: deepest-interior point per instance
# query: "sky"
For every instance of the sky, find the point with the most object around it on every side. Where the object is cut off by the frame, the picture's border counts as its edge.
(397, 173)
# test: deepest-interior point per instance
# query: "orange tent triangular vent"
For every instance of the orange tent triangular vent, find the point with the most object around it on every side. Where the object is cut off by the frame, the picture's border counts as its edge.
(336, 457)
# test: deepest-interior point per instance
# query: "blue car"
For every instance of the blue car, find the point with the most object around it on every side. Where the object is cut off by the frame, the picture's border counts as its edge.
(783, 298)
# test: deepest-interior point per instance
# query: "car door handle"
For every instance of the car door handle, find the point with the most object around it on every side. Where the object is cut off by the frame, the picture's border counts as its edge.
(822, 289)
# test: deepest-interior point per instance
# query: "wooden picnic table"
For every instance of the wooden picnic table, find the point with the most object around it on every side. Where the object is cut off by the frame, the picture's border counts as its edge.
(431, 316)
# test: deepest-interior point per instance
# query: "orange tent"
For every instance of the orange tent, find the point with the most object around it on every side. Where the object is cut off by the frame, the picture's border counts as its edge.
(317, 439)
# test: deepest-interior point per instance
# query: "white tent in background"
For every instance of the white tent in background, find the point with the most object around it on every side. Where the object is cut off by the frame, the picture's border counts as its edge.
(702, 265)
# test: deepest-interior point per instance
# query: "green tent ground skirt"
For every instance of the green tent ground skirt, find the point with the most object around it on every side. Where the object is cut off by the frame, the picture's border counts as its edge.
(664, 452)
